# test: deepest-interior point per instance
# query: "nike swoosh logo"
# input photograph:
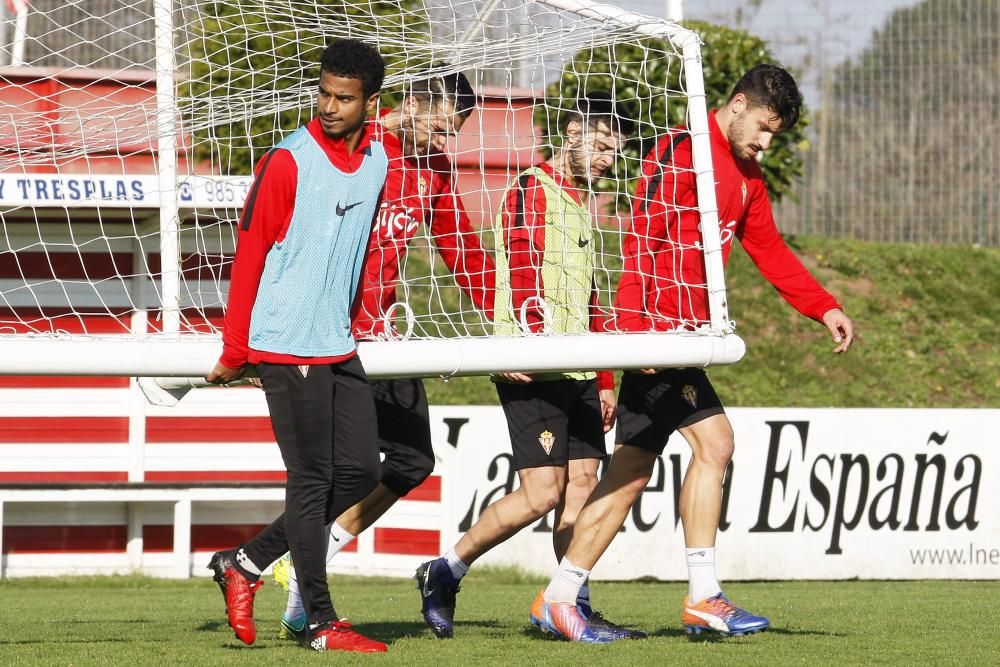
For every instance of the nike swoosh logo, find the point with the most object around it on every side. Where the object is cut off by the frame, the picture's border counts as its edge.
(341, 209)
(583, 242)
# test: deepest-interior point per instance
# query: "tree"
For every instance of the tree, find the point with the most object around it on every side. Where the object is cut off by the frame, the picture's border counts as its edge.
(253, 65)
(912, 129)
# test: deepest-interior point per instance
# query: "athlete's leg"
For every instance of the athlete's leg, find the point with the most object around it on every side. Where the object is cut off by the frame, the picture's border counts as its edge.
(710, 435)
(609, 504)
(404, 434)
(538, 494)
(580, 483)
(537, 422)
(557, 609)
(587, 449)
(711, 442)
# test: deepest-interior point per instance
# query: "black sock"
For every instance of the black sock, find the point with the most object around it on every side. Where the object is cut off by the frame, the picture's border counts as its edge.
(245, 566)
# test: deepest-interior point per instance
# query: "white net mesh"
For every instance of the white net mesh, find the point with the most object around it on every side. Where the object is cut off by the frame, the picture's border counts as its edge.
(85, 189)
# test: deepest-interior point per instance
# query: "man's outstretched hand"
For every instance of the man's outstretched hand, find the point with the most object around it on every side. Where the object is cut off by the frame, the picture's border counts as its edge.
(841, 328)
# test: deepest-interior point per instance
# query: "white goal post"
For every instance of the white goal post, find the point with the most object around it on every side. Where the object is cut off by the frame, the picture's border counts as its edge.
(88, 247)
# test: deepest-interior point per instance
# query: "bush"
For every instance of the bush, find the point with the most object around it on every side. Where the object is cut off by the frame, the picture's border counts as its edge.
(247, 61)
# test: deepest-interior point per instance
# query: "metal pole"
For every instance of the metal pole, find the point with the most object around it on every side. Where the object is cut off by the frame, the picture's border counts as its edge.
(20, 35)
(701, 157)
(166, 159)
(675, 10)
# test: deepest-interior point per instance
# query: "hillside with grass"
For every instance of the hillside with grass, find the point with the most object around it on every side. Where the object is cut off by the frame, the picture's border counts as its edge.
(926, 319)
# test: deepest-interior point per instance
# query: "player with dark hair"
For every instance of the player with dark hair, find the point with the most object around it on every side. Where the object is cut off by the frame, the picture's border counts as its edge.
(663, 258)
(419, 191)
(545, 264)
(295, 280)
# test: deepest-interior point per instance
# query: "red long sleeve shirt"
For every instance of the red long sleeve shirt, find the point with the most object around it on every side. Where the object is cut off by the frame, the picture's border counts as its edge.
(419, 191)
(523, 219)
(267, 214)
(663, 285)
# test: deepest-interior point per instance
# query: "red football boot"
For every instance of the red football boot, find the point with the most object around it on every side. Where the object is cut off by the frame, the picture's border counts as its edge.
(339, 636)
(239, 604)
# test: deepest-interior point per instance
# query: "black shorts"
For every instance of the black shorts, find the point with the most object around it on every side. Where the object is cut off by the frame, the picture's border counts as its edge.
(404, 433)
(552, 422)
(651, 407)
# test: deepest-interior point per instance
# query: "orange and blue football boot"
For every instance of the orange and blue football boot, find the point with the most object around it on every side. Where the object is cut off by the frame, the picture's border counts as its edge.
(564, 620)
(720, 616)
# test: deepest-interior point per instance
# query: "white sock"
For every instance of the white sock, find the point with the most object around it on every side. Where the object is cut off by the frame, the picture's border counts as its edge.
(295, 606)
(702, 582)
(566, 584)
(583, 597)
(455, 564)
(339, 538)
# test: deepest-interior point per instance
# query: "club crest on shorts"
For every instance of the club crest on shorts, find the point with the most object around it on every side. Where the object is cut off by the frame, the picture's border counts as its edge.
(690, 395)
(546, 440)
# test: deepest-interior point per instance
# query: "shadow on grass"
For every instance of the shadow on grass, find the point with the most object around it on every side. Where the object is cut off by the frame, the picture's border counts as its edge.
(706, 637)
(390, 631)
(103, 621)
(63, 640)
(535, 633)
(212, 626)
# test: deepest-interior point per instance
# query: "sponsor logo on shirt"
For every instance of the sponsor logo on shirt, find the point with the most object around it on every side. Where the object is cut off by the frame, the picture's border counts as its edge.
(396, 221)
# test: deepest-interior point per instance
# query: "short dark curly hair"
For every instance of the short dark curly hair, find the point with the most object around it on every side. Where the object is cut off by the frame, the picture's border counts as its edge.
(774, 88)
(353, 59)
(453, 88)
(597, 108)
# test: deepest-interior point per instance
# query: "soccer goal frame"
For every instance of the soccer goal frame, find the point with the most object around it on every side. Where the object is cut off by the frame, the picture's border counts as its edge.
(171, 352)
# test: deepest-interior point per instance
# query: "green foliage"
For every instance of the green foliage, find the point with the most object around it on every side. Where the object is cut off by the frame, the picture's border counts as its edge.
(244, 57)
(133, 621)
(925, 323)
(644, 73)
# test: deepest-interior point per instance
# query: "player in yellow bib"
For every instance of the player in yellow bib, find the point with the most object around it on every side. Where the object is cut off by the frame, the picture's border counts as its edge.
(545, 261)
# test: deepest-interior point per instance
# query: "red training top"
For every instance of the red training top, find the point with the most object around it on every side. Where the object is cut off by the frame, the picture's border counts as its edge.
(419, 190)
(663, 283)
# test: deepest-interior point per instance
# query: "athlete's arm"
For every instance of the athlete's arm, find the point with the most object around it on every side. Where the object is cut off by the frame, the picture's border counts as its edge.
(459, 246)
(780, 267)
(266, 215)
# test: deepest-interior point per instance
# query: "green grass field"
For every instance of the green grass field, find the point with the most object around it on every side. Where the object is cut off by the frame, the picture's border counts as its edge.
(131, 620)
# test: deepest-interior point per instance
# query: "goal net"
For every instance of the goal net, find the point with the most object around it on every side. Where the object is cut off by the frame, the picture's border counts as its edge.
(129, 131)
